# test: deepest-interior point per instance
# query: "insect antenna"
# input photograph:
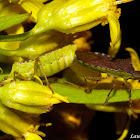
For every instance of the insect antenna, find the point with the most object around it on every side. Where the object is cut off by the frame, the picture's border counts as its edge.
(46, 79)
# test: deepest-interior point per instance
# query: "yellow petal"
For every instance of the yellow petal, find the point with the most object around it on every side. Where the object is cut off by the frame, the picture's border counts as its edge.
(135, 84)
(123, 1)
(115, 34)
(126, 130)
(134, 58)
(12, 8)
(31, 6)
(18, 29)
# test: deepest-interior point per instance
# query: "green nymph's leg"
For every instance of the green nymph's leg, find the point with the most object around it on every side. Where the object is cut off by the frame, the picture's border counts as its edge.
(35, 71)
(20, 76)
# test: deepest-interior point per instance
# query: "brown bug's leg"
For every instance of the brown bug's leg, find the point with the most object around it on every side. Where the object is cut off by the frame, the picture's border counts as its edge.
(110, 91)
(108, 96)
(123, 84)
(130, 100)
(59, 80)
(20, 76)
(89, 89)
(129, 87)
(75, 85)
(47, 82)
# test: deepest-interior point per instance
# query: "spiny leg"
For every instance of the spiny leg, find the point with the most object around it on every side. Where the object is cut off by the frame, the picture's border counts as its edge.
(60, 80)
(46, 79)
(97, 79)
(108, 95)
(125, 83)
(129, 87)
(72, 84)
(110, 91)
(130, 100)
(89, 89)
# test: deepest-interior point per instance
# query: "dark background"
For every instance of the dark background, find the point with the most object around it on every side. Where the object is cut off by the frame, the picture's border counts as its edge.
(129, 27)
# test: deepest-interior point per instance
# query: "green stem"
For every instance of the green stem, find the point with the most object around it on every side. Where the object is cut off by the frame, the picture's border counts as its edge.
(77, 95)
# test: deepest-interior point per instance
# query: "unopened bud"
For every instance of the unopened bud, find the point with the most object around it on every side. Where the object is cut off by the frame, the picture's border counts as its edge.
(29, 96)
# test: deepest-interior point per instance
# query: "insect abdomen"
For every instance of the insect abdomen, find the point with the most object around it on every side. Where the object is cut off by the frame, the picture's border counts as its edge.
(57, 60)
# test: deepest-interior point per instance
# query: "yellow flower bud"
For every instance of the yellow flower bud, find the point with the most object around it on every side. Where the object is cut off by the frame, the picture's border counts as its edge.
(29, 96)
(19, 124)
(14, 124)
(71, 16)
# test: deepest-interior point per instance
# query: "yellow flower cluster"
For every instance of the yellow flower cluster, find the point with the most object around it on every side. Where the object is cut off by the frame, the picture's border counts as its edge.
(57, 24)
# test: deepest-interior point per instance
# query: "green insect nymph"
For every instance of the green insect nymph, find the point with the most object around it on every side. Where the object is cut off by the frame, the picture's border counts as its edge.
(52, 63)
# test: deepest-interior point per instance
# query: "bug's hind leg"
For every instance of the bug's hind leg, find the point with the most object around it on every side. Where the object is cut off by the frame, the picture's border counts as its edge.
(35, 71)
(110, 91)
(109, 94)
(89, 87)
(130, 100)
(128, 85)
